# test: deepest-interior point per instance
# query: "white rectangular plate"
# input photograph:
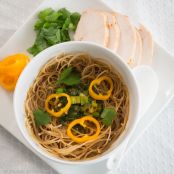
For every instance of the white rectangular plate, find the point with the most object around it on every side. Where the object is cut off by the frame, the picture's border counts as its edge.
(163, 65)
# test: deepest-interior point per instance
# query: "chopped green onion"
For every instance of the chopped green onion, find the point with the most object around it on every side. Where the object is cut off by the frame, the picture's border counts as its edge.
(81, 99)
(60, 90)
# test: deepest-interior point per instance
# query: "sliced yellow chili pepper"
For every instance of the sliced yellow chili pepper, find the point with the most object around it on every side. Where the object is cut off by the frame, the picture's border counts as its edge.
(8, 82)
(85, 137)
(97, 81)
(10, 70)
(57, 97)
(13, 65)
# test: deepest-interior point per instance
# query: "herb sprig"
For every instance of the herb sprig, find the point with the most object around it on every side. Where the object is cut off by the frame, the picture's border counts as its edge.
(69, 76)
(53, 27)
(41, 118)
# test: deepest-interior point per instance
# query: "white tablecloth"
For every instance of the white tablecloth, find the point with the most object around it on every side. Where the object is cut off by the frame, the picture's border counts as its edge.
(154, 151)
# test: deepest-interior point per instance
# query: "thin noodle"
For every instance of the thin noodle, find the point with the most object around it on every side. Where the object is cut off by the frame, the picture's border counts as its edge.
(53, 137)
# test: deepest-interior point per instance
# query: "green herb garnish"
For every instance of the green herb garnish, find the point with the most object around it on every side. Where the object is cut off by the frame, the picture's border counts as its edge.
(41, 117)
(53, 27)
(60, 90)
(96, 114)
(81, 99)
(44, 13)
(108, 116)
(69, 76)
(73, 113)
(75, 17)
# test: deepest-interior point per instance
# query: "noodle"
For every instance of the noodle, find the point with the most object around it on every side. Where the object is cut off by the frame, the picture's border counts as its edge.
(53, 137)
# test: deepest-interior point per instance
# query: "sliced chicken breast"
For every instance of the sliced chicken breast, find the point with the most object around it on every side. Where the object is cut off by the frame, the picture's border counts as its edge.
(127, 45)
(147, 45)
(138, 51)
(93, 27)
(114, 32)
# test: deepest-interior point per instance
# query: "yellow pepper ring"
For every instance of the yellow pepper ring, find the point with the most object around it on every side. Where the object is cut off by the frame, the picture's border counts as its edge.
(86, 137)
(62, 110)
(10, 70)
(8, 82)
(97, 82)
(13, 65)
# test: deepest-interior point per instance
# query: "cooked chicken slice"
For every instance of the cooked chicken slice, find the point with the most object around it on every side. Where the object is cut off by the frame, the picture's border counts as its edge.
(138, 51)
(127, 43)
(147, 44)
(114, 32)
(93, 27)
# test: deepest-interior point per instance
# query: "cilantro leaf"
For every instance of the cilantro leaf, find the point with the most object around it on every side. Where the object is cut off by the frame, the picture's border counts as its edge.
(44, 13)
(58, 35)
(65, 73)
(39, 24)
(53, 27)
(48, 25)
(66, 24)
(60, 90)
(39, 45)
(52, 17)
(33, 50)
(65, 13)
(69, 77)
(65, 36)
(41, 117)
(72, 79)
(75, 17)
(108, 116)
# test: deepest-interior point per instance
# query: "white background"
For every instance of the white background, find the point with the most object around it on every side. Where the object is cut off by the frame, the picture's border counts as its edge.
(154, 151)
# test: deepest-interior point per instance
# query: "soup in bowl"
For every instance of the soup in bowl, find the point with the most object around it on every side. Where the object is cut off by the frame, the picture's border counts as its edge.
(76, 102)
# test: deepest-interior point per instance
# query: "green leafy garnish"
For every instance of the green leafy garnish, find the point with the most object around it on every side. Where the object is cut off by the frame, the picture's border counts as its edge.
(65, 73)
(60, 90)
(41, 117)
(75, 17)
(44, 13)
(53, 27)
(53, 17)
(73, 113)
(65, 13)
(69, 77)
(108, 116)
(96, 114)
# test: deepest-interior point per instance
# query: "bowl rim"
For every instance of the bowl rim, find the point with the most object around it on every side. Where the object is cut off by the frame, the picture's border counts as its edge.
(28, 137)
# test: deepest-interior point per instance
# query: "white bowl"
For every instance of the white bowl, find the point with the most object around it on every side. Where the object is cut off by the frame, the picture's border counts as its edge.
(31, 71)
